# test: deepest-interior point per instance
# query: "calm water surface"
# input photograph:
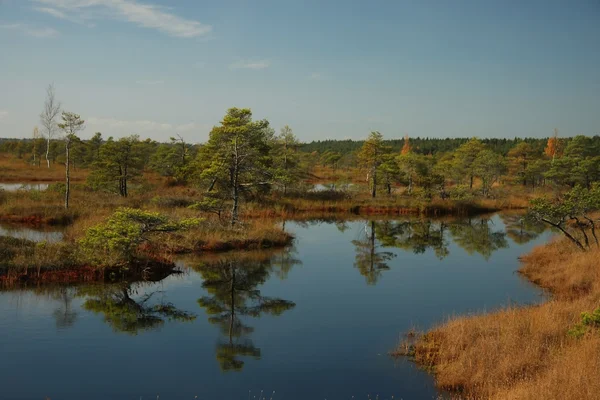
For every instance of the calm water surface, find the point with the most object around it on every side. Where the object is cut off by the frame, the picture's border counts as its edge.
(34, 234)
(13, 187)
(313, 322)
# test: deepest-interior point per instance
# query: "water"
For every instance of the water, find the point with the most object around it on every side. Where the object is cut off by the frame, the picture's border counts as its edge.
(13, 187)
(313, 322)
(41, 234)
(320, 187)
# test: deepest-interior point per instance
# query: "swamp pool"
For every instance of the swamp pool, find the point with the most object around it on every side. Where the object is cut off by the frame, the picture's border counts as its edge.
(313, 321)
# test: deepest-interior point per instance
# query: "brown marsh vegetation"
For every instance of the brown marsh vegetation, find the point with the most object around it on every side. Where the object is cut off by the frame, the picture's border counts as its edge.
(524, 352)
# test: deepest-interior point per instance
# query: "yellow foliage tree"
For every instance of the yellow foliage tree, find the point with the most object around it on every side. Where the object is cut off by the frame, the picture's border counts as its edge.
(553, 149)
(406, 148)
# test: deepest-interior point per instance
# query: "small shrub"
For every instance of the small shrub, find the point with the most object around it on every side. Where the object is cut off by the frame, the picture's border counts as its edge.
(209, 204)
(116, 241)
(11, 247)
(142, 187)
(588, 320)
(58, 187)
(461, 193)
(171, 202)
(420, 193)
(34, 195)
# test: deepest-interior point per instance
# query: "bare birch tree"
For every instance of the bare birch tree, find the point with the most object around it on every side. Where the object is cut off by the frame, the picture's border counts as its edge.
(48, 118)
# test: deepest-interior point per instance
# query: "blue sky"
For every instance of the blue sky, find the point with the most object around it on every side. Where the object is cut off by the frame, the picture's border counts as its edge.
(329, 69)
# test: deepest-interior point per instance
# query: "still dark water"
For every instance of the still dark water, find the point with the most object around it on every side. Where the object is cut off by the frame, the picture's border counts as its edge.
(312, 322)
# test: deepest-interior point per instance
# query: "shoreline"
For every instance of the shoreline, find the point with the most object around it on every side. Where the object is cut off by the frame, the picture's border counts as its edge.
(65, 218)
(151, 262)
(522, 352)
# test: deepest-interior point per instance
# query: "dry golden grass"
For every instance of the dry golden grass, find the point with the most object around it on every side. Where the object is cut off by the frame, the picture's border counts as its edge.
(13, 169)
(563, 269)
(47, 207)
(324, 174)
(525, 352)
(572, 374)
(316, 204)
(159, 194)
(213, 236)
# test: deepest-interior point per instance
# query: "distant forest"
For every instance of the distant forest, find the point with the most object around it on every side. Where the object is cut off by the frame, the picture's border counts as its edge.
(419, 145)
(434, 145)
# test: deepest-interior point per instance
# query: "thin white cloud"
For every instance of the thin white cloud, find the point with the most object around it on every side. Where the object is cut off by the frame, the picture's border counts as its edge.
(250, 64)
(3, 114)
(138, 126)
(51, 11)
(192, 126)
(119, 127)
(149, 83)
(141, 14)
(316, 76)
(31, 30)
(77, 19)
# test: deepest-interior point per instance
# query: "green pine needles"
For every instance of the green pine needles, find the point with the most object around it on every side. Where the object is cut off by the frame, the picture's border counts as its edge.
(117, 240)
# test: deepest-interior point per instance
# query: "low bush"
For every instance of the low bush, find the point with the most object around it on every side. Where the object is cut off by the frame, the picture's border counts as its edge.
(117, 240)
(461, 193)
(171, 202)
(588, 320)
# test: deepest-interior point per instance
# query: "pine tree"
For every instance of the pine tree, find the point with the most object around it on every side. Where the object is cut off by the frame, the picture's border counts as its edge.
(120, 162)
(371, 156)
(237, 157)
(285, 158)
(71, 125)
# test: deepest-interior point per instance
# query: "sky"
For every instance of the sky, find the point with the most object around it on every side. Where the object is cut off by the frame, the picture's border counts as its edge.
(330, 69)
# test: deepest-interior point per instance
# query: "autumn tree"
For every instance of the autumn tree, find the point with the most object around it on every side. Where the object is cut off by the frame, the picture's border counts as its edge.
(406, 146)
(553, 147)
(236, 158)
(371, 156)
(72, 124)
